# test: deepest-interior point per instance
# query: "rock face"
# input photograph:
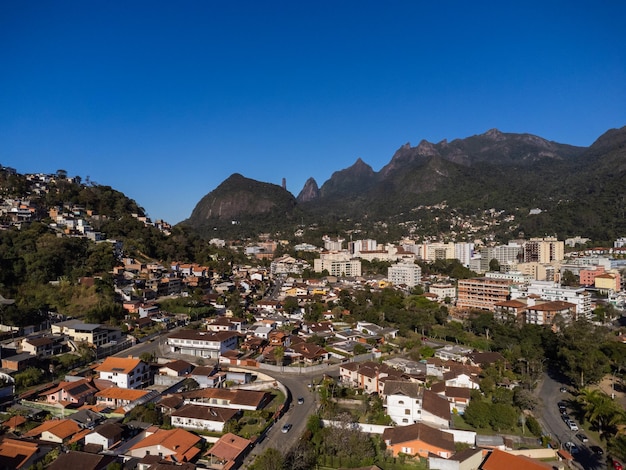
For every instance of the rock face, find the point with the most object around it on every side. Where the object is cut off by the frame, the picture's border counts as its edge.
(239, 196)
(310, 191)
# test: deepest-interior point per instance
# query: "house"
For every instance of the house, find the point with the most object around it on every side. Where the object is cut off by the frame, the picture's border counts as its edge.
(91, 333)
(56, 430)
(484, 359)
(77, 392)
(229, 451)
(204, 344)
(435, 410)
(310, 353)
(203, 418)
(367, 375)
(115, 397)
(75, 460)
(124, 372)
(467, 459)
(419, 440)
(17, 362)
(42, 346)
(403, 401)
(498, 459)
(106, 435)
(176, 368)
(18, 454)
(207, 377)
(175, 445)
(458, 397)
(236, 399)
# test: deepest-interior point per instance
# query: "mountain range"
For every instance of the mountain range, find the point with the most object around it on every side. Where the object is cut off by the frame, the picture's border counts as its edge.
(577, 189)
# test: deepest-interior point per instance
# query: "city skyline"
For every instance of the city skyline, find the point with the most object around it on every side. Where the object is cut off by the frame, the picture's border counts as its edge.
(164, 101)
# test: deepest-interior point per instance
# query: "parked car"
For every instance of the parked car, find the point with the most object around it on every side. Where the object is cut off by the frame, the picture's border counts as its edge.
(572, 425)
(565, 417)
(582, 437)
(571, 447)
(563, 389)
(285, 429)
(300, 401)
(597, 450)
(617, 465)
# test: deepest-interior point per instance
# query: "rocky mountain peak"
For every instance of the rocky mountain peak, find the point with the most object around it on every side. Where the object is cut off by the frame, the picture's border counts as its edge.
(310, 191)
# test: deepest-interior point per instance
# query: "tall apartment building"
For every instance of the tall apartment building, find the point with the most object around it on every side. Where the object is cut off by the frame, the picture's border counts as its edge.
(362, 245)
(464, 252)
(333, 244)
(543, 250)
(405, 273)
(337, 264)
(482, 293)
(435, 251)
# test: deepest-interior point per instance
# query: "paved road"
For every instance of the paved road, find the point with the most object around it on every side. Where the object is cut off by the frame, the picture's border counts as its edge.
(549, 414)
(297, 415)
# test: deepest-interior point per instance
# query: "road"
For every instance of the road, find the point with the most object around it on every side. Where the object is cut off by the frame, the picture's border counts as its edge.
(297, 415)
(549, 395)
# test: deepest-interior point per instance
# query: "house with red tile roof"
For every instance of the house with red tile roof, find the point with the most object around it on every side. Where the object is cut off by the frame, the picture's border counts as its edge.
(174, 444)
(499, 460)
(124, 372)
(419, 439)
(19, 455)
(228, 452)
(115, 397)
(75, 392)
(55, 430)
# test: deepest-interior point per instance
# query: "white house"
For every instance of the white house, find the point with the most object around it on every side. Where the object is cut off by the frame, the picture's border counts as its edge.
(124, 372)
(105, 435)
(403, 401)
(202, 343)
(203, 418)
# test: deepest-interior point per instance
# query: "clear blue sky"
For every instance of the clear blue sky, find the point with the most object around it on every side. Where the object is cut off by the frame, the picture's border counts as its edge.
(163, 100)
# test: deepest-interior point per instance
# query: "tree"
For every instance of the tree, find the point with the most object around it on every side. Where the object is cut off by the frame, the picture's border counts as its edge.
(279, 354)
(271, 459)
(494, 265)
(600, 410)
(581, 360)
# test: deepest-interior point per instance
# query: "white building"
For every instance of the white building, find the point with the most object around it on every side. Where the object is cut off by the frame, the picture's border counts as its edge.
(554, 292)
(405, 273)
(443, 291)
(124, 372)
(337, 264)
(202, 343)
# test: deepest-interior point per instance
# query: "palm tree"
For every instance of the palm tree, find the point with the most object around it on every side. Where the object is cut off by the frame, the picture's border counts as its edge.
(601, 412)
(279, 354)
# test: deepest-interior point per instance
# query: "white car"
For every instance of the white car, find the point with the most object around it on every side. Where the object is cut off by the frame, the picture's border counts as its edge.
(572, 426)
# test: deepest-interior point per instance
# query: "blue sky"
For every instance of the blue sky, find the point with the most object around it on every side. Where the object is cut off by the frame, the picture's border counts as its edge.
(165, 100)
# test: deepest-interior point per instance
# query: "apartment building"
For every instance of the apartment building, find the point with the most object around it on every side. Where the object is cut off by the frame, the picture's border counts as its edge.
(124, 372)
(206, 344)
(409, 274)
(482, 293)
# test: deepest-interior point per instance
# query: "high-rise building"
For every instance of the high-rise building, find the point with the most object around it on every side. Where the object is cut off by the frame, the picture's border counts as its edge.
(405, 273)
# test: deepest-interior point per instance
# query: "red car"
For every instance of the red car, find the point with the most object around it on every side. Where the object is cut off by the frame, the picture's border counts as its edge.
(617, 465)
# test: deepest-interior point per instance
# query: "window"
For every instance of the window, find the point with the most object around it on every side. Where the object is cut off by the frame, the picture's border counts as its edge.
(401, 402)
(407, 411)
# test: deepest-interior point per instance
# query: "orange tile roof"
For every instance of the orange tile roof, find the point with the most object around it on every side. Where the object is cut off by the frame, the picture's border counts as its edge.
(118, 364)
(229, 447)
(16, 452)
(499, 459)
(179, 441)
(118, 393)
(14, 421)
(61, 428)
